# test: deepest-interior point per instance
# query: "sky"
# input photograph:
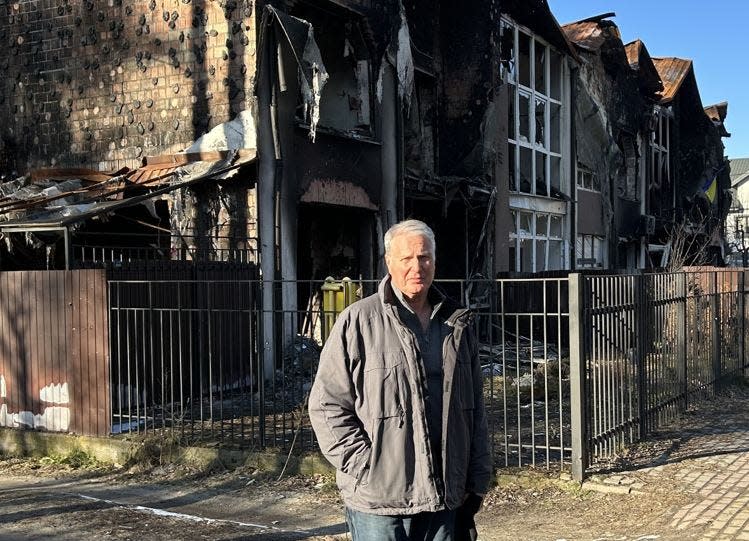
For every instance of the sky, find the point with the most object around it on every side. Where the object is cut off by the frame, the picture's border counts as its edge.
(712, 34)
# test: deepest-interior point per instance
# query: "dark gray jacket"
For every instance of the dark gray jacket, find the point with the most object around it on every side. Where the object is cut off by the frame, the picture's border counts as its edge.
(367, 409)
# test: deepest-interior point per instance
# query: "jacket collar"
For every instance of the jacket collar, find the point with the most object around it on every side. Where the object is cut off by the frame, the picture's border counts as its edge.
(449, 310)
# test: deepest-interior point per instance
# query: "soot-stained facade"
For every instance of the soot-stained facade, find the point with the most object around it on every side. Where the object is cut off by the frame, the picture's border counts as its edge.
(292, 133)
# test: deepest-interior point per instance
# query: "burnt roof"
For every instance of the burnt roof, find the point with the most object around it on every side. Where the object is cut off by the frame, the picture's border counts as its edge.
(673, 72)
(717, 113)
(640, 61)
(536, 15)
(589, 34)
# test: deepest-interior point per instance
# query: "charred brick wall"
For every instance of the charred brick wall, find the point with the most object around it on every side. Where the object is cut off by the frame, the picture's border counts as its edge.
(102, 84)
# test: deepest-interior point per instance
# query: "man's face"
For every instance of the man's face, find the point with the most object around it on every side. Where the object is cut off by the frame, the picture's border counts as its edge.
(410, 264)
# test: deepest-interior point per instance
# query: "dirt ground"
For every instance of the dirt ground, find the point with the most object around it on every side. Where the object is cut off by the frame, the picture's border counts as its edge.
(55, 500)
(688, 481)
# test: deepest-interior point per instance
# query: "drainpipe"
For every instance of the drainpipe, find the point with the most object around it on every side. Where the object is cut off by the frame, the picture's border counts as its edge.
(573, 166)
(389, 134)
(267, 179)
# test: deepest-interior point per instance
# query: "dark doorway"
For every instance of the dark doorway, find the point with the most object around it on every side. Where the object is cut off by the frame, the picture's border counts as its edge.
(334, 241)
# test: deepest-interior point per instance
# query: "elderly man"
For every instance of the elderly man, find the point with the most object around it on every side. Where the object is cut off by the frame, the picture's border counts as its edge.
(397, 403)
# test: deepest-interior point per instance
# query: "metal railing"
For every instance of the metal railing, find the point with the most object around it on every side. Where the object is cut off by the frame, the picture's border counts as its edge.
(574, 368)
(643, 347)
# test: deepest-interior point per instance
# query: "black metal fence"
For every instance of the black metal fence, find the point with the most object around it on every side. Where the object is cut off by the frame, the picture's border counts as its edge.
(574, 367)
(644, 346)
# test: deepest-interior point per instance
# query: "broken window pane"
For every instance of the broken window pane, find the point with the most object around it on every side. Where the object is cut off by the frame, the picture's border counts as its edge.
(345, 104)
(542, 225)
(664, 176)
(541, 187)
(511, 112)
(511, 166)
(526, 224)
(540, 67)
(555, 227)
(526, 170)
(526, 255)
(555, 75)
(556, 175)
(555, 127)
(507, 51)
(540, 122)
(524, 55)
(524, 112)
(540, 263)
(556, 255)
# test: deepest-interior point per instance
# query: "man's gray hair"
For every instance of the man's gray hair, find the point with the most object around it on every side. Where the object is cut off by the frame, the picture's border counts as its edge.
(410, 227)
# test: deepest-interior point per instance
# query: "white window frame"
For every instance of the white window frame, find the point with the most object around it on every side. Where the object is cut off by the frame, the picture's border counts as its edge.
(596, 259)
(594, 184)
(550, 157)
(660, 151)
(531, 200)
(537, 237)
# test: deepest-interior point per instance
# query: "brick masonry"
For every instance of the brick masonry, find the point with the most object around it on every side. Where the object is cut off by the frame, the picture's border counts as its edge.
(103, 84)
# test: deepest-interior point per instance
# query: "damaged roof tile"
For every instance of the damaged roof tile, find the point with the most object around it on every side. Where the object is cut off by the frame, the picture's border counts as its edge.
(672, 71)
(586, 35)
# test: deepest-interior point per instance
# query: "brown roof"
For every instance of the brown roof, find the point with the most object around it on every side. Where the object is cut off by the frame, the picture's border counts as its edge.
(672, 71)
(633, 50)
(160, 174)
(586, 35)
(717, 114)
(160, 168)
(640, 61)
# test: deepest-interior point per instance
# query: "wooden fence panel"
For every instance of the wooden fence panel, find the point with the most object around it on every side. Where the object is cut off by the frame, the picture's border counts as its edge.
(54, 351)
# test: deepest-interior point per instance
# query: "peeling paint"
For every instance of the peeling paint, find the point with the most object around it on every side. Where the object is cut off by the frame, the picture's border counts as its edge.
(55, 393)
(55, 419)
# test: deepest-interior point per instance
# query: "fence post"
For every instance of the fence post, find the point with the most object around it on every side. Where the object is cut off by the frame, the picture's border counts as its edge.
(715, 332)
(742, 323)
(642, 316)
(681, 335)
(578, 396)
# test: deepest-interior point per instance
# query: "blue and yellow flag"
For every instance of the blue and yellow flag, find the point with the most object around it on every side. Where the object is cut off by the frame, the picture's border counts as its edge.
(711, 189)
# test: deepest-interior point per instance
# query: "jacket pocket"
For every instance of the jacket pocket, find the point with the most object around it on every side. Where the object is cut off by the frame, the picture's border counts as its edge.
(385, 478)
(382, 392)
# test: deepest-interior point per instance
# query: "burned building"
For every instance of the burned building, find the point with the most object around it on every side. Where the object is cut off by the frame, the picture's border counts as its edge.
(292, 133)
(536, 66)
(650, 173)
(105, 102)
(612, 103)
(689, 182)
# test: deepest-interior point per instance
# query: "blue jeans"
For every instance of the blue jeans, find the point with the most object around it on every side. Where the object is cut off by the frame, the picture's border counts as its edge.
(438, 526)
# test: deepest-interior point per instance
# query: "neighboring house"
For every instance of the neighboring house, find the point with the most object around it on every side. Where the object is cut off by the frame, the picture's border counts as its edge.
(689, 178)
(613, 100)
(737, 220)
(650, 170)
